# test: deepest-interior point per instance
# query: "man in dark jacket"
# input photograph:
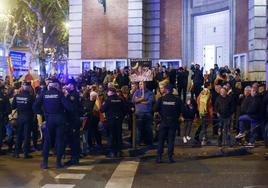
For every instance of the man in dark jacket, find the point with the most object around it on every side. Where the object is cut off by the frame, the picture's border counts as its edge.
(5, 109)
(114, 109)
(253, 114)
(224, 109)
(182, 82)
(23, 102)
(54, 104)
(169, 108)
(198, 79)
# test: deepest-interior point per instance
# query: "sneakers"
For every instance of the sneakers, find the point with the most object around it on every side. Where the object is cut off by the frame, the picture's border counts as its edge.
(184, 140)
(240, 135)
(188, 138)
(27, 156)
(250, 145)
(203, 143)
(15, 155)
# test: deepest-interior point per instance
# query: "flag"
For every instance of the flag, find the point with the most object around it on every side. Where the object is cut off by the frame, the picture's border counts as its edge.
(32, 77)
(10, 70)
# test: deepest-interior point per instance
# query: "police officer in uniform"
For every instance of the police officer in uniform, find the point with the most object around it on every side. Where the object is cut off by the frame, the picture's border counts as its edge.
(114, 108)
(23, 102)
(5, 109)
(73, 118)
(54, 103)
(169, 109)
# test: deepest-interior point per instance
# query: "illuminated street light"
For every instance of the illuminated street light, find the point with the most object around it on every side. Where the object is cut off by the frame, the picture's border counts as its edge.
(44, 30)
(66, 25)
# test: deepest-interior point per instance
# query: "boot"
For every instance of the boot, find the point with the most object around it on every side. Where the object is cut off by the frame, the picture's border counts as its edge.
(171, 160)
(159, 159)
(59, 164)
(44, 164)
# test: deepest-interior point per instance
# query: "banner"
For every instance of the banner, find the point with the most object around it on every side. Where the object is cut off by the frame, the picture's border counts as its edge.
(141, 70)
(20, 61)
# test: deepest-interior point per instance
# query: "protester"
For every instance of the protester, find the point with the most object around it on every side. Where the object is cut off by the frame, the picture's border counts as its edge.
(94, 105)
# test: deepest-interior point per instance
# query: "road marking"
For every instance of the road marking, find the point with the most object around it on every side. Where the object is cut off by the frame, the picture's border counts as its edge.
(256, 186)
(70, 176)
(123, 175)
(58, 186)
(85, 167)
(86, 160)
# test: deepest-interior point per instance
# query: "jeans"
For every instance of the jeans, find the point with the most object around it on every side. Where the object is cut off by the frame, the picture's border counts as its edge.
(201, 132)
(10, 135)
(188, 127)
(182, 91)
(253, 126)
(144, 130)
(85, 145)
(224, 125)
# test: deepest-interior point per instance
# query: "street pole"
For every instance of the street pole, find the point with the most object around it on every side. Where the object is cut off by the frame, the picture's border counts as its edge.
(133, 130)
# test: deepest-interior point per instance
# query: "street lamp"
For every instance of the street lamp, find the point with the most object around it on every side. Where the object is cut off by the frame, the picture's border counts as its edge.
(66, 25)
(3, 11)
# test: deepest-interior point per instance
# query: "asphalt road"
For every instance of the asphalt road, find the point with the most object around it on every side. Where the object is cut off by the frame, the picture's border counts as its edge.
(195, 167)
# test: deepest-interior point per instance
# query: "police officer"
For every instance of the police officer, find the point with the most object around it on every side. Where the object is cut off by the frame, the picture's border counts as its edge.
(114, 108)
(169, 108)
(73, 118)
(5, 109)
(54, 103)
(23, 102)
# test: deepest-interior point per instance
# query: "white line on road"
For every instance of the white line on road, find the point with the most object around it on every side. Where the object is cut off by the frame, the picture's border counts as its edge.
(123, 175)
(70, 176)
(58, 186)
(86, 168)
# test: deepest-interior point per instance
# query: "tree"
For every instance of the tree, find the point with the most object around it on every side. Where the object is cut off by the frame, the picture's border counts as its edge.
(49, 14)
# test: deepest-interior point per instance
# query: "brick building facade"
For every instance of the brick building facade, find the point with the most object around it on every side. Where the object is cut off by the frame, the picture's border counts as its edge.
(227, 32)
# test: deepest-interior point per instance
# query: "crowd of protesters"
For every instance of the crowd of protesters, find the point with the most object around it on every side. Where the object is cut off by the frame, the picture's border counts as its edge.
(76, 113)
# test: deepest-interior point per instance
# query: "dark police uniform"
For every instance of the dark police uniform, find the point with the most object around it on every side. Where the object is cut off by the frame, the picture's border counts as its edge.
(169, 108)
(23, 102)
(5, 109)
(114, 108)
(54, 103)
(73, 118)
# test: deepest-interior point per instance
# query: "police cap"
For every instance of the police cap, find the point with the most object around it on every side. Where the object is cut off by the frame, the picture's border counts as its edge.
(169, 87)
(26, 83)
(112, 89)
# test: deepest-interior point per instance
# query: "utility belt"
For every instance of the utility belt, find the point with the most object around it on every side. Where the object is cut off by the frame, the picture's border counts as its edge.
(54, 114)
(113, 117)
(23, 113)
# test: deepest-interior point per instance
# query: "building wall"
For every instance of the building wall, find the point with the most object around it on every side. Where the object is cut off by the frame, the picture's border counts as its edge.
(151, 29)
(212, 29)
(171, 29)
(241, 42)
(75, 36)
(197, 3)
(105, 35)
